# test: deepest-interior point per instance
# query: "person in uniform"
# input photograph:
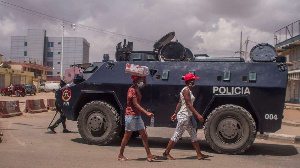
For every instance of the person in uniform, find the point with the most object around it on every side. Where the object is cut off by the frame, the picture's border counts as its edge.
(62, 120)
(133, 119)
(184, 115)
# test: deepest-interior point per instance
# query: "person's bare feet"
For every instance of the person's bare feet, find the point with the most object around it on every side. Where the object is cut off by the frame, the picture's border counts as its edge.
(168, 156)
(202, 156)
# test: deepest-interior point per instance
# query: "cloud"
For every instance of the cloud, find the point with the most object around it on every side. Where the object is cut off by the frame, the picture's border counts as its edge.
(212, 25)
(225, 40)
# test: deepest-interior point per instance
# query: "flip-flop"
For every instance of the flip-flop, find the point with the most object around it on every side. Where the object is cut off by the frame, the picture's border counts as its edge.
(171, 158)
(206, 156)
(154, 157)
(123, 159)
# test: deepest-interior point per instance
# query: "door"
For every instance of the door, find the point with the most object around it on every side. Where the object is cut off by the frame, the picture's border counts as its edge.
(165, 89)
(2, 81)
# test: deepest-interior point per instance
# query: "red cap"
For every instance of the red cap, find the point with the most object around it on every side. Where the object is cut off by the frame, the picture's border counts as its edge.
(190, 76)
(134, 78)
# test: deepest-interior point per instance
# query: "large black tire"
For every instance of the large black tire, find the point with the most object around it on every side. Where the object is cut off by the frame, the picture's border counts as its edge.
(230, 129)
(99, 123)
(17, 94)
(3, 93)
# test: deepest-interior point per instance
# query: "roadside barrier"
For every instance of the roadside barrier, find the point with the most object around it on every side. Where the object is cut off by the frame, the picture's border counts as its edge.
(51, 104)
(35, 106)
(9, 109)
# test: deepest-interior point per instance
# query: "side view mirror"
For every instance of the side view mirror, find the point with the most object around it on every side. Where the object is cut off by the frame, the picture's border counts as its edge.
(62, 83)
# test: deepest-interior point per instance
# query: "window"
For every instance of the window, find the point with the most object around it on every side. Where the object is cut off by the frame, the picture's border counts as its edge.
(49, 54)
(58, 52)
(25, 43)
(252, 77)
(49, 73)
(226, 76)
(25, 53)
(58, 73)
(50, 64)
(165, 75)
(58, 62)
(50, 44)
(59, 43)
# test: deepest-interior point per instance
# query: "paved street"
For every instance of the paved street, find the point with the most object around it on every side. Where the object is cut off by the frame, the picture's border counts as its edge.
(27, 143)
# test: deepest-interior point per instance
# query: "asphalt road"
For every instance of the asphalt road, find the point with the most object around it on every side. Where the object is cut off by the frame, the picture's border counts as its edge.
(27, 143)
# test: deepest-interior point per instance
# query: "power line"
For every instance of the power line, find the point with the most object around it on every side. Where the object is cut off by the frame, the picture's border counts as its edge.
(56, 19)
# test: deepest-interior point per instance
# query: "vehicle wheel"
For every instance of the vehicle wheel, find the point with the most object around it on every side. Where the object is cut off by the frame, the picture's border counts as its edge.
(17, 94)
(30, 93)
(99, 123)
(23, 94)
(230, 129)
(2, 93)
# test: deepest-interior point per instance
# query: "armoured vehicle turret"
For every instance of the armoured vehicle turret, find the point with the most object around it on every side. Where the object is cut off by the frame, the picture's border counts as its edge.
(236, 98)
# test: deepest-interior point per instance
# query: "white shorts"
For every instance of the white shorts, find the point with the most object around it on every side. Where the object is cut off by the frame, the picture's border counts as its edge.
(184, 123)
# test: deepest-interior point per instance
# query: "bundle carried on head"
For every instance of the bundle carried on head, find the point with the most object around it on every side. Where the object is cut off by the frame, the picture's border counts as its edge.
(136, 70)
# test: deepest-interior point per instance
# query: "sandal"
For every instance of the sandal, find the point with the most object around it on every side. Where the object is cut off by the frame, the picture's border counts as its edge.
(123, 159)
(168, 156)
(154, 157)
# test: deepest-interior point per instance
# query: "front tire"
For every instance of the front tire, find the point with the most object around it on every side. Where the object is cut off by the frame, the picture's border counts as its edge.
(99, 123)
(17, 94)
(230, 129)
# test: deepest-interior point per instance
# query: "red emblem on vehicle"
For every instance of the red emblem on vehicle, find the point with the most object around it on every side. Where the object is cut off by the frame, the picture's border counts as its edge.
(66, 94)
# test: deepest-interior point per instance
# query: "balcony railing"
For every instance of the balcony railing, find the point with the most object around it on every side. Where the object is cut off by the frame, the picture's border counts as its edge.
(290, 31)
(26, 60)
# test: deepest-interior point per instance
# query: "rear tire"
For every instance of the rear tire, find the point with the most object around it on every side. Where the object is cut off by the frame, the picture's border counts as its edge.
(17, 94)
(99, 123)
(230, 129)
(3, 93)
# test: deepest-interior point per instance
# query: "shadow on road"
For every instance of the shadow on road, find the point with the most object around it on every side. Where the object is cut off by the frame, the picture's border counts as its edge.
(271, 149)
(185, 144)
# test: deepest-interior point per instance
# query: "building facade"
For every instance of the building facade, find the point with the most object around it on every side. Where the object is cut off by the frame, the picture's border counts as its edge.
(287, 43)
(46, 51)
(8, 75)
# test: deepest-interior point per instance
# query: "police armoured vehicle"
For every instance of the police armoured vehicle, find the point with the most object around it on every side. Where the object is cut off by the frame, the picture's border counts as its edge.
(236, 98)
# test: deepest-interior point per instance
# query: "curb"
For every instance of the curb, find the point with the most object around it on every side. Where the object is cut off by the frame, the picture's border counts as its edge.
(280, 137)
(292, 108)
(290, 123)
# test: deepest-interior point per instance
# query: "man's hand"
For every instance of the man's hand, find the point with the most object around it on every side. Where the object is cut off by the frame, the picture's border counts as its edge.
(200, 118)
(149, 114)
(174, 117)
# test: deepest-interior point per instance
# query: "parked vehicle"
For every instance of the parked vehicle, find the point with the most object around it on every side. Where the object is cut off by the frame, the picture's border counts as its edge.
(18, 90)
(49, 87)
(30, 89)
(236, 98)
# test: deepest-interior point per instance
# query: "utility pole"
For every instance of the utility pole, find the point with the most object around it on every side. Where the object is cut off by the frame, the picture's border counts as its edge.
(241, 45)
(62, 54)
(246, 47)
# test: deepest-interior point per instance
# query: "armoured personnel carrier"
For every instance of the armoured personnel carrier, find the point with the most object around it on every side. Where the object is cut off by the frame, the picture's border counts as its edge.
(236, 98)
